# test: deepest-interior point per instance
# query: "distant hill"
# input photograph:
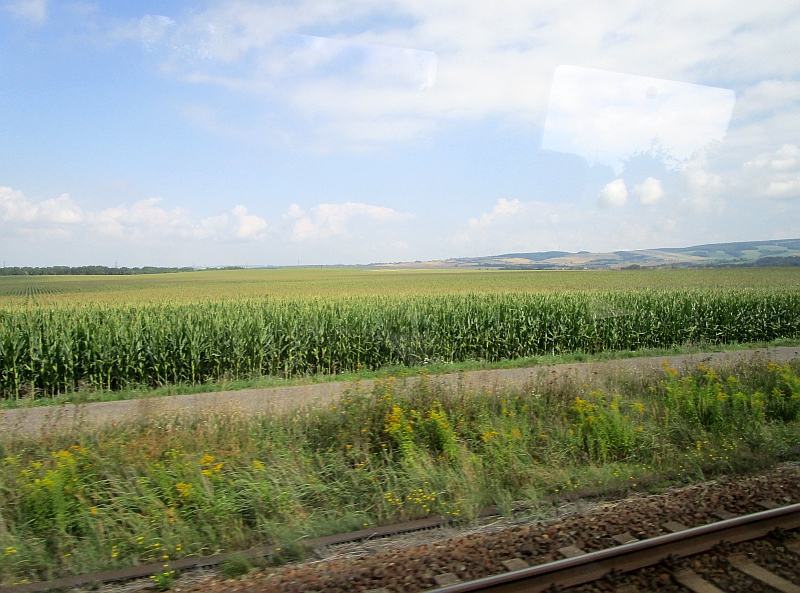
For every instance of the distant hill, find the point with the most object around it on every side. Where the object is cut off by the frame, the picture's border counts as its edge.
(781, 252)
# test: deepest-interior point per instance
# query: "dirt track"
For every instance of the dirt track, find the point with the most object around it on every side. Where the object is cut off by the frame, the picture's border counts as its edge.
(33, 421)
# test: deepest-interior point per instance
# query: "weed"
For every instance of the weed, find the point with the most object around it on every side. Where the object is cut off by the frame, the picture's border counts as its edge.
(165, 580)
(235, 567)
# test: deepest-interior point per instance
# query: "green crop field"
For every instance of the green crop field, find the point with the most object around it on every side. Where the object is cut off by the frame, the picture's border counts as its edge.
(61, 334)
(293, 283)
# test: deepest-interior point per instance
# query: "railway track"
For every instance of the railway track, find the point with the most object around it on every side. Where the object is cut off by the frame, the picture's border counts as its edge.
(578, 567)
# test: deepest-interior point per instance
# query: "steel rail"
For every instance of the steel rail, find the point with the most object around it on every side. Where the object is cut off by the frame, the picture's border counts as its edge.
(625, 558)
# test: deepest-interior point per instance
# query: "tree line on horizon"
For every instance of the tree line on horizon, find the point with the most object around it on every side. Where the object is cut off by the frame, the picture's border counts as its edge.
(86, 271)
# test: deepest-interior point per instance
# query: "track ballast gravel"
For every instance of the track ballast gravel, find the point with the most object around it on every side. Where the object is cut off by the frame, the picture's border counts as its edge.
(482, 555)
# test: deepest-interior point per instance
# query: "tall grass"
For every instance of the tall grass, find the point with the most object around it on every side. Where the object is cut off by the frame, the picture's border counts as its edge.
(49, 350)
(194, 485)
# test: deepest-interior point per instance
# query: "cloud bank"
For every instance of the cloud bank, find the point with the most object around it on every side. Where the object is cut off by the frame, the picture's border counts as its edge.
(149, 221)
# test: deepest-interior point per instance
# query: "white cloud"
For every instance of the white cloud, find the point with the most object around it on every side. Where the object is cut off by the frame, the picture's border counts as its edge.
(327, 220)
(154, 29)
(775, 174)
(704, 188)
(294, 212)
(539, 226)
(32, 11)
(614, 194)
(247, 225)
(502, 211)
(490, 59)
(145, 219)
(649, 192)
(148, 218)
(15, 207)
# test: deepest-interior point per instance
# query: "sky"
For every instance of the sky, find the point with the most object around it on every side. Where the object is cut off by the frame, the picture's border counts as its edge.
(354, 131)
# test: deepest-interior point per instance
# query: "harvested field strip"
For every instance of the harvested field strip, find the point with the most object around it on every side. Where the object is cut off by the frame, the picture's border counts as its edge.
(196, 485)
(45, 351)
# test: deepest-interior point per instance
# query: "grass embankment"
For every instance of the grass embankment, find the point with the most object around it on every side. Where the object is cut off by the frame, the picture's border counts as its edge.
(171, 487)
(46, 351)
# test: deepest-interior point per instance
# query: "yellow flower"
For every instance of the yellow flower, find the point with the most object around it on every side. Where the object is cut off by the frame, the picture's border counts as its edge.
(258, 465)
(207, 460)
(488, 435)
(183, 489)
(93, 510)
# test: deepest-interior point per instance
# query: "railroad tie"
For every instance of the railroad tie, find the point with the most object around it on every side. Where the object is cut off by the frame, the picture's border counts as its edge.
(694, 582)
(446, 579)
(571, 551)
(514, 564)
(722, 513)
(744, 564)
(768, 504)
(625, 538)
(674, 526)
(794, 547)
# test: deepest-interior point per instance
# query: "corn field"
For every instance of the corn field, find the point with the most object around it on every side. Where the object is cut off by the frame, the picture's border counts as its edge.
(50, 350)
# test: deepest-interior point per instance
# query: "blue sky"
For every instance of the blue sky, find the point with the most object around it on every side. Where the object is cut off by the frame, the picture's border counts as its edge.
(333, 131)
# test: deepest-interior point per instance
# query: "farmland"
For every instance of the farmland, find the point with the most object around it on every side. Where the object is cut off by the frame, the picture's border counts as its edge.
(295, 283)
(63, 334)
(194, 484)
